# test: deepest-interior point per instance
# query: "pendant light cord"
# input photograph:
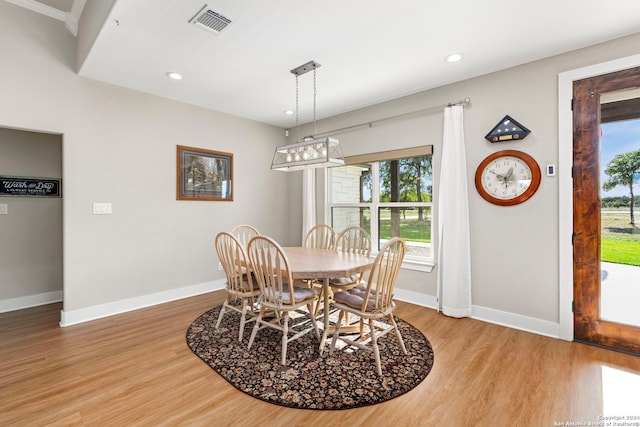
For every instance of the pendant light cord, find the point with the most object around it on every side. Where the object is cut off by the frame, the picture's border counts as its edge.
(315, 94)
(297, 107)
(298, 71)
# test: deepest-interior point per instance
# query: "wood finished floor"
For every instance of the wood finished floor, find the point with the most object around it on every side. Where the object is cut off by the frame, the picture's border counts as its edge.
(136, 369)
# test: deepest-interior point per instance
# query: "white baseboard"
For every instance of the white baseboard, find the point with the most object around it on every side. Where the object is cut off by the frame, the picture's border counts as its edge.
(29, 301)
(73, 317)
(516, 321)
(489, 315)
(424, 300)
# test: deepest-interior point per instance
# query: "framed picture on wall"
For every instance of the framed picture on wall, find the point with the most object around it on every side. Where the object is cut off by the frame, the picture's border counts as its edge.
(20, 186)
(204, 174)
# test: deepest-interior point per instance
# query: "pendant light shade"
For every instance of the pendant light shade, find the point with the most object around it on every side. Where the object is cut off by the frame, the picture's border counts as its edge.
(309, 152)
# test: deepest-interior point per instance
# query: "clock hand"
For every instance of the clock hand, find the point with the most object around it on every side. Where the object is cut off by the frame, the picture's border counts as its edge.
(503, 179)
(497, 174)
(509, 173)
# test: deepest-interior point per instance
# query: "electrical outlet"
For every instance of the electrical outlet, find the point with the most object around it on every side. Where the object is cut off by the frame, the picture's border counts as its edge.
(4, 209)
(220, 266)
(102, 209)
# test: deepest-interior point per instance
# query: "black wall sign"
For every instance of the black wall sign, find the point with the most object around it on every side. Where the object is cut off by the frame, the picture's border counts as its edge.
(29, 187)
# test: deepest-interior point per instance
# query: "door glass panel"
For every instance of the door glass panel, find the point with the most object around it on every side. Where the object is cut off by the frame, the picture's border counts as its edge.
(620, 199)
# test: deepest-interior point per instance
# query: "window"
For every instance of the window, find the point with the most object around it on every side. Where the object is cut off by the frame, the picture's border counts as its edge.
(388, 194)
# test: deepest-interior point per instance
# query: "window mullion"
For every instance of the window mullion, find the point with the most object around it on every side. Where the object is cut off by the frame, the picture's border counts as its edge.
(375, 202)
(404, 204)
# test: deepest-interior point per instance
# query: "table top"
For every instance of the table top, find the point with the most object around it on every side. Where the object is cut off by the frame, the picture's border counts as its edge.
(313, 263)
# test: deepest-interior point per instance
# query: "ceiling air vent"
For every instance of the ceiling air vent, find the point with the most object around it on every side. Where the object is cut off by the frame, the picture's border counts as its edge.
(210, 20)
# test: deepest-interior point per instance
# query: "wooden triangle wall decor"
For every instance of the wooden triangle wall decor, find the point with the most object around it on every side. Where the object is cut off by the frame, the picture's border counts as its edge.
(507, 129)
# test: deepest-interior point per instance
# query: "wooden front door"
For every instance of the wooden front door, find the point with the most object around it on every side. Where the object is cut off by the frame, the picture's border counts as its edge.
(589, 326)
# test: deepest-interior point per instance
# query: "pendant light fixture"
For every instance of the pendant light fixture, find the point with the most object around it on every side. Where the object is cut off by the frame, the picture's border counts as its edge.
(309, 152)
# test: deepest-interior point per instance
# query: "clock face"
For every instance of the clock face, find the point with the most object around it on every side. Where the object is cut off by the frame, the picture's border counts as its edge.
(507, 177)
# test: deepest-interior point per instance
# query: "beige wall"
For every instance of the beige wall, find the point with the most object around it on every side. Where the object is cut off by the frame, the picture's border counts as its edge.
(515, 265)
(31, 232)
(119, 146)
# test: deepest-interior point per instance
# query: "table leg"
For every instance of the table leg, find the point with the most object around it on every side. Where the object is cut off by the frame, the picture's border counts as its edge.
(330, 328)
(325, 332)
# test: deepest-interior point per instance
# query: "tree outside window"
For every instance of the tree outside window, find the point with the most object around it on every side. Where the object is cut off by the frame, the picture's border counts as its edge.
(388, 198)
(624, 170)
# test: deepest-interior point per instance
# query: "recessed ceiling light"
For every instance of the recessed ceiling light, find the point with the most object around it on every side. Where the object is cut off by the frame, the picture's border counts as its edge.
(454, 57)
(288, 112)
(174, 76)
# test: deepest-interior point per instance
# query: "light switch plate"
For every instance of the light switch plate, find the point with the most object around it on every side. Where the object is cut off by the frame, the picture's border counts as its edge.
(4, 209)
(102, 209)
(551, 170)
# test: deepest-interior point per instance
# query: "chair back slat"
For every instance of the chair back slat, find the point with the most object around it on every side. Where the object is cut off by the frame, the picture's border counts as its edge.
(382, 277)
(271, 268)
(354, 240)
(321, 236)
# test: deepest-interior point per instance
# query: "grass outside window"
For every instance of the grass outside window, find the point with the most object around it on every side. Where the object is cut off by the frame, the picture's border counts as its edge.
(620, 241)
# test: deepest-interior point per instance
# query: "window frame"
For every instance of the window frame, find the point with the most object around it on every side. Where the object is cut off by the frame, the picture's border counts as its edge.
(374, 159)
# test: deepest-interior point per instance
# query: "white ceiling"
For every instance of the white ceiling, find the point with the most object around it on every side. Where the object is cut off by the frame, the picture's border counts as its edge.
(369, 50)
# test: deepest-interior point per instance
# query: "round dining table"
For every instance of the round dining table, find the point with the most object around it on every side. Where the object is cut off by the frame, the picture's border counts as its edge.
(323, 265)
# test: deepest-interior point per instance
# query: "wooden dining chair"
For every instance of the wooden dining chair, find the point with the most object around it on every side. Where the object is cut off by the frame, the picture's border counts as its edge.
(321, 236)
(279, 294)
(244, 233)
(354, 240)
(240, 281)
(373, 301)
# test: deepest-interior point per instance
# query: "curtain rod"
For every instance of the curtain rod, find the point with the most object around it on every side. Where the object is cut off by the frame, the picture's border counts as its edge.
(462, 102)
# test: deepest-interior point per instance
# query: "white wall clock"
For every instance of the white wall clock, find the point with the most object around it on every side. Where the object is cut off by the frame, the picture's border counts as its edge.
(507, 177)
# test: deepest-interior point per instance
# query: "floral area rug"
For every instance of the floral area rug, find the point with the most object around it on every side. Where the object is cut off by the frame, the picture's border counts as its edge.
(347, 379)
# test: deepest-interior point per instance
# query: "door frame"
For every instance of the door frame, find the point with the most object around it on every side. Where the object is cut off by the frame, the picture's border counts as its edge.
(565, 181)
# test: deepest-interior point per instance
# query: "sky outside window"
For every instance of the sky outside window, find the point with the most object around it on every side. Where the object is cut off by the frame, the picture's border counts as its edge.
(618, 137)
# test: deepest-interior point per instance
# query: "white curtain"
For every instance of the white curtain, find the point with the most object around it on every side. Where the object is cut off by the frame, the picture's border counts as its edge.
(454, 249)
(308, 200)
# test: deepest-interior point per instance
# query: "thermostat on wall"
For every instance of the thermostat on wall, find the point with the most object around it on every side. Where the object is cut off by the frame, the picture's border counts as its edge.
(551, 170)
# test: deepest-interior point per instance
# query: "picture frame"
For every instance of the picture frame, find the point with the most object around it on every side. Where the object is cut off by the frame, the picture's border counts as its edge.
(27, 186)
(205, 175)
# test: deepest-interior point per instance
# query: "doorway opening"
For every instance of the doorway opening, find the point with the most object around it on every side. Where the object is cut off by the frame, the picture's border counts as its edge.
(603, 254)
(31, 255)
(620, 199)
(565, 182)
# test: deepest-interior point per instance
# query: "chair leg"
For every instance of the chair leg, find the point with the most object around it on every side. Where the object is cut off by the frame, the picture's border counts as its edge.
(285, 333)
(336, 333)
(374, 342)
(243, 318)
(224, 306)
(400, 340)
(313, 320)
(317, 303)
(256, 327)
